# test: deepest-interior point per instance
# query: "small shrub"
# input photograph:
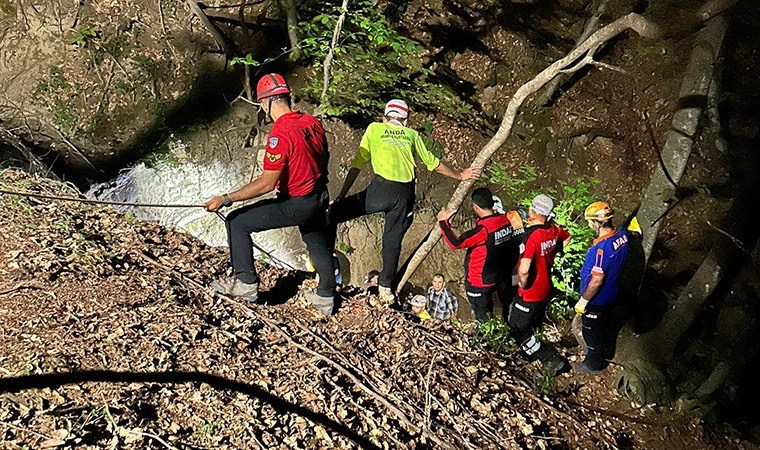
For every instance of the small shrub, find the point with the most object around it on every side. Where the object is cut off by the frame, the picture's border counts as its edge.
(494, 333)
(83, 36)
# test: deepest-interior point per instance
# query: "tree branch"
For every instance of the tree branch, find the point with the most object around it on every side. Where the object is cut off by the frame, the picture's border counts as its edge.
(632, 21)
(330, 54)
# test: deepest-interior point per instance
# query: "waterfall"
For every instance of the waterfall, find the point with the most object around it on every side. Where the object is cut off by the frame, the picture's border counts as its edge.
(187, 182)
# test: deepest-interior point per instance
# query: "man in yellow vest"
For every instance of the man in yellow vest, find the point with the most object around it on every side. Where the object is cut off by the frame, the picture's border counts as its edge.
(391, 147)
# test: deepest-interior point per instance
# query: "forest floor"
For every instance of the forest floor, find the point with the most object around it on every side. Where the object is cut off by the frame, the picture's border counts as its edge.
(109, 339)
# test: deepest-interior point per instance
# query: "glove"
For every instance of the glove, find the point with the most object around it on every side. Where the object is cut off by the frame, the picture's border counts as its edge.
(580, 307)
(515, 280)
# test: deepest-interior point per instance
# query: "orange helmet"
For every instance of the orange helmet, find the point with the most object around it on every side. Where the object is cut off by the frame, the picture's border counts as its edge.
(270, 85)
(598, 211)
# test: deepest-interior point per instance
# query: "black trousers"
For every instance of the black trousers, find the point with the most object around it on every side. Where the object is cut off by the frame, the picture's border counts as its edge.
(600, 330)
(524, 318)
(481, 299)
(394, 199)
(308, 213)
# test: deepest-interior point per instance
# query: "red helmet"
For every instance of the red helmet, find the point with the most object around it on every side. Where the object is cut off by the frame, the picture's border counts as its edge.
(270, 85)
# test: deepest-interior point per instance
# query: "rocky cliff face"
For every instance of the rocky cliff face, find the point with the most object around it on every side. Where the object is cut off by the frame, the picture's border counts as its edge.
(95, 81)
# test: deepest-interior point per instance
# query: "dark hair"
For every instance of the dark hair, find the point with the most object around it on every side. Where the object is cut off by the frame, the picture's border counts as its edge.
(277, 98)
(439, 275)
(608, 224)
(483, 198)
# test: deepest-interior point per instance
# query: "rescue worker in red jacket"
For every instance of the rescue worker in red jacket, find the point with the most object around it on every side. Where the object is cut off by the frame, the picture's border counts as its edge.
(295, 163)
(543, 240)
(490, 248)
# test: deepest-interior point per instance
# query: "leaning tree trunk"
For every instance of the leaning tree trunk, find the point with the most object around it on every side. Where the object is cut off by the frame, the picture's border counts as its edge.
(660, 194)
(579, 57)
(642, 356)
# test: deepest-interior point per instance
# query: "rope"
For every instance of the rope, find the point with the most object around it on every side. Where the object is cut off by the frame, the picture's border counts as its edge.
(260, 248)
(98, 202)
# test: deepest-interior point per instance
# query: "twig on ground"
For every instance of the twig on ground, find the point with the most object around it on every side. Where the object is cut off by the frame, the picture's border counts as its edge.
(735, 240)
(22, 285)
(25, 430)
(161, 16)
(428, 400)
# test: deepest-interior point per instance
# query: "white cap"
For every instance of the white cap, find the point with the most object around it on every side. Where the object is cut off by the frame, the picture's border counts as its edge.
(418, 300)
(397, 108)
(498, 206)
(542, 204)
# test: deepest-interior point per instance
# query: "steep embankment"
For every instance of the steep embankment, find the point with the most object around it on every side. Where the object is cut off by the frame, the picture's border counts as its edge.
(110, 340)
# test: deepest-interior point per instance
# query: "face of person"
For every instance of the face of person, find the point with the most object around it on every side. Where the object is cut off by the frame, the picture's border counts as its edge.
(373, 281)
(437, 284)
(416, 309)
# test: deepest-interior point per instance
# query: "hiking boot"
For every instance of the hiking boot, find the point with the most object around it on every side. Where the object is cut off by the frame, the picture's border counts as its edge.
(236, 288)
(582, 369)
(386, 296)
(325, 305)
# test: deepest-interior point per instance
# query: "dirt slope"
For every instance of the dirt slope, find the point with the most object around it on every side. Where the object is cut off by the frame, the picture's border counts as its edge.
(108, 342)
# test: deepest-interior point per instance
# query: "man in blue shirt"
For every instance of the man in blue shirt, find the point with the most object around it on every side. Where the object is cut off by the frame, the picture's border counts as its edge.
(600, 276)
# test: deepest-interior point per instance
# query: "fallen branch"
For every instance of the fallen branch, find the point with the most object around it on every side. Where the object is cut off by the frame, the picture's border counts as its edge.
(591, 25)
(25, 430)
(735, 240)
(22, 285)
(76, 150)
(631, 21)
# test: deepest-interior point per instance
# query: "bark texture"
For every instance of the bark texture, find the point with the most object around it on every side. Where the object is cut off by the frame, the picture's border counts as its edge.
(660, 193)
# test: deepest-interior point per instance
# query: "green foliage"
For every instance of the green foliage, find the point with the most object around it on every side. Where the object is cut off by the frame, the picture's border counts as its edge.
(83, 36)
(247, 61)
(372, 63)
(516, 187)
(209, 429)
(56, 81)
(58, 95)
(570, 203)
(345, 248)
(426, 133)
(493, 333)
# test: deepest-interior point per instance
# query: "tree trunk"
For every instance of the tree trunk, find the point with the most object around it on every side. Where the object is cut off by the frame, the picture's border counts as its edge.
(291, 15)
(327, 64)
(692, 100)
(568, 64)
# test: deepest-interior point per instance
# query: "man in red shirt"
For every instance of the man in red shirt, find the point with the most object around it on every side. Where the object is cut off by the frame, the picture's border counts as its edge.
(295, 163)
(490, 248)
(543, 240)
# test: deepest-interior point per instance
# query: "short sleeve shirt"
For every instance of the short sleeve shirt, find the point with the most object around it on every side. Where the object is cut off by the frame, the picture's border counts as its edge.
(541, 245)
(391, 149)
(605, 258)
(298, 147)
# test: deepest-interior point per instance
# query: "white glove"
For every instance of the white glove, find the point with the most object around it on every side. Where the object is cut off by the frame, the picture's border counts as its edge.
(515, 280)
(580, 307)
